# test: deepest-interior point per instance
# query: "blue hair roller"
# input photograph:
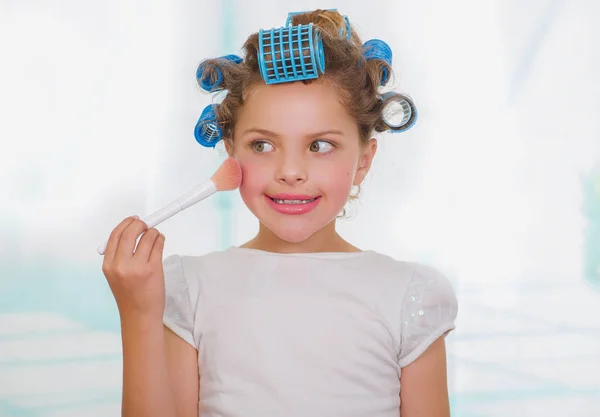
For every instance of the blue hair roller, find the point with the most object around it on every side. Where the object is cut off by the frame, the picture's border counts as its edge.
(292, 53)
(378, 49)
(409, 112)
(347, 29)
(207, 130)
(206, 84)
(233, 58)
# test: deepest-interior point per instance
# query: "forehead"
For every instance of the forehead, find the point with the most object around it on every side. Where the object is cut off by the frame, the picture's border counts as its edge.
(295, 107)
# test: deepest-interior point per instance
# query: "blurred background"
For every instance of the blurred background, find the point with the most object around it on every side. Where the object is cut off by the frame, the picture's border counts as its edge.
(497, 185)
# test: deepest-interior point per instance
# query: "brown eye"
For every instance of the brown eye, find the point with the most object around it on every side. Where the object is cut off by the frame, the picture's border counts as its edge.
(261, 146)
(321, 146)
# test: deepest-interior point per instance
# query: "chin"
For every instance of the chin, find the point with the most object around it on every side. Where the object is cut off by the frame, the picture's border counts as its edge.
(292, 234)
(296, 229)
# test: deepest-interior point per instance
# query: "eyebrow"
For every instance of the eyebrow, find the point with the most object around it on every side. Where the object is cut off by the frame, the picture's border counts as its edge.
(310, 135)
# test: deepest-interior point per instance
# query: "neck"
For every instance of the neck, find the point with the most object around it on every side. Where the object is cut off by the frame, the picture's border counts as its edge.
(324, 240)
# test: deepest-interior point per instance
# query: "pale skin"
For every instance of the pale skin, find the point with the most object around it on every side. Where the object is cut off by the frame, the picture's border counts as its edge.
(319, 153)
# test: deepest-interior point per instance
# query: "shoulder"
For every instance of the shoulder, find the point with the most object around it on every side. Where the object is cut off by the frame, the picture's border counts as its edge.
(414, 273)
(387, 266)
(419, 287)
(409, 275)
(189, 264)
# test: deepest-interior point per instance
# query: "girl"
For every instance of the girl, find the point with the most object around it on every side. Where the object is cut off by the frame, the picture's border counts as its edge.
(297, 321)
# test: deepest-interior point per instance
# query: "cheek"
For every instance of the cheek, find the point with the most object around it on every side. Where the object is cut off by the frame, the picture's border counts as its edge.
(254, 178)
(337, 181)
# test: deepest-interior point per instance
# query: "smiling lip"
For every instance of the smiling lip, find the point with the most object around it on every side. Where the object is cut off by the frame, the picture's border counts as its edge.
(293, 208)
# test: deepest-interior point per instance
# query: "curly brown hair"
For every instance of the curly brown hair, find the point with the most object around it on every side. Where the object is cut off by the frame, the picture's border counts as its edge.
(356, 78)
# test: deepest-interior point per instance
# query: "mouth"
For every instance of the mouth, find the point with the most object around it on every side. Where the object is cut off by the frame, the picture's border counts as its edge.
(295, 201)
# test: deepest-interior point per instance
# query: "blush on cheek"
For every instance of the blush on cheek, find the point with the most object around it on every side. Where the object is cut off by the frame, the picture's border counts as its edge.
(254, 179)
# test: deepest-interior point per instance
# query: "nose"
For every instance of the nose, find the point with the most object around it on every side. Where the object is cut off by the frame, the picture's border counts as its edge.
(292, 169)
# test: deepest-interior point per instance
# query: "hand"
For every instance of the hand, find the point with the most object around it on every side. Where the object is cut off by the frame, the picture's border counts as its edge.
(135, 276)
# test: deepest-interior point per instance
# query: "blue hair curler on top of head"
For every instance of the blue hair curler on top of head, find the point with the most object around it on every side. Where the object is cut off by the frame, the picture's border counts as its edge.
(378, 49)
(292, 53)
(214, 85)
(207, 130)
(409, 112)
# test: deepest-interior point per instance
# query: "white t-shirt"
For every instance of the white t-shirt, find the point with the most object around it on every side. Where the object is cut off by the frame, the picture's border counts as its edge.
(306, 335)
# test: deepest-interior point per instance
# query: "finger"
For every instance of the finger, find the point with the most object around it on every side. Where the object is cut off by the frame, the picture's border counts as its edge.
(115, 237)
(129, 239)
(157, 250)
(145, 245)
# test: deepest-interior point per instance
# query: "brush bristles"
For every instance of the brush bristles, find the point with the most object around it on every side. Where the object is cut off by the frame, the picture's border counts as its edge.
(228, 176)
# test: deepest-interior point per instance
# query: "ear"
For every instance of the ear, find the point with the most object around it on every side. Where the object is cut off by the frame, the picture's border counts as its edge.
(364, 163)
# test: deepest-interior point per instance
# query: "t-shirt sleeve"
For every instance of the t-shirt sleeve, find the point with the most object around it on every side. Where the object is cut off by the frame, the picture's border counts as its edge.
(429, 310)
(179, 313)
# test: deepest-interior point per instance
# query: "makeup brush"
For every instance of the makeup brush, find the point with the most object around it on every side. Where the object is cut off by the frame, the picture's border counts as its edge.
(228, 177)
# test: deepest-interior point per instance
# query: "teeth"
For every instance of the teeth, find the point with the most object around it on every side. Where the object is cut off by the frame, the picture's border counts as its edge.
(293, 201)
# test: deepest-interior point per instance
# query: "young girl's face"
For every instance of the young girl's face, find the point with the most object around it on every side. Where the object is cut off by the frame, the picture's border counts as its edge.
(300, 154)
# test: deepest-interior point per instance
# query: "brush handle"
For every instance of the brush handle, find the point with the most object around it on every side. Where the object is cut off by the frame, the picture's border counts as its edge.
(184, 201)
